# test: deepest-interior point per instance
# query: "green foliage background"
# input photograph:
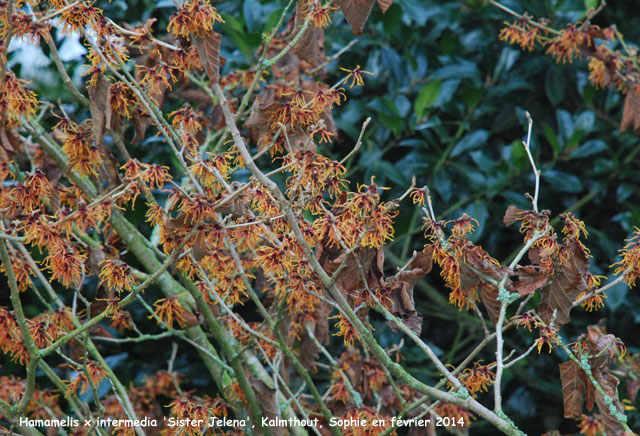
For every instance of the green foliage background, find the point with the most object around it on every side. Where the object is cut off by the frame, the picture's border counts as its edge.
(447, 102)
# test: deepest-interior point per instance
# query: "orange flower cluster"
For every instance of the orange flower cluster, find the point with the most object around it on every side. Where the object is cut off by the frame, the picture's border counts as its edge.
(22, 25)
(591, 425)
(194, 18)
(345, 329)
(523, 33)
(16, 101)
(85, 378)
(116, 275)
(455, 412)
(78, 144)
(66, 265)
(45, 401)
(77, 17)
(477, 379)
(454, 254)
(607, 67)
(168, 311)
(373, 422)
(629, 265)
(10, 338)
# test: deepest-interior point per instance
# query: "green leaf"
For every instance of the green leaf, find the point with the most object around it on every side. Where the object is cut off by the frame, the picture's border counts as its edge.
(470, 141)
(589, 148)
(252, 11)
(427, 97)
(554, 85)
(616, 296)
(391, 18)
(272, 20)
(565, 124)
(552, 138)
(391, 172)
(562, 182)
(591, 4)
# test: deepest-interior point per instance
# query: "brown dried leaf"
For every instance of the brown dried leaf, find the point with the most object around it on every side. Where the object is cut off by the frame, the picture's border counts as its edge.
(530, 278)
(567, 283)
(99, 97)
(10, 144)
(310, 48)
(96, 257)
(356, 12)
(401, 297)
(191, 319)
(350, 277)
(632, 389)
(99, 330)
(403, 307)
(609, 384)
(140, 122)
(236, 207)
(269, 402)
(470, 280)
(573, 388)
(419, 266)
(510, 216)
(209, 52)
(109, 170)
(385, 5)
(199, 249)
(263, 108)
(489, 296)
(320, 328)
(631, 111)
(299, 140)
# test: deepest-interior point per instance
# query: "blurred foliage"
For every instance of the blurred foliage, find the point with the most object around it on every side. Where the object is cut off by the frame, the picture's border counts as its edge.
(447, 102)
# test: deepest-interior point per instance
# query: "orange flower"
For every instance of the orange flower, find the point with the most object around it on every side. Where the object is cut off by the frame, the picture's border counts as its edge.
(75, 18)
(155, 214)
(477, 379)
(194, 18)
(521, 32)
(156, 176)
(78, 144)
(355, 76)
(630, 263)
(186, 119)
(573, 227)
(566, 46)
(94, 373)
(591, 425)
(547, 336)
(157, 76)
(234, 393)
(122, 99)
(117, 275)
(121, 320)
(42, 332)
(339, 391)
(526, 320)
(380, 226)
(463, 226)
(66, 265)
(168, 311)
(320, 15)
(16, 101)
(346, 330)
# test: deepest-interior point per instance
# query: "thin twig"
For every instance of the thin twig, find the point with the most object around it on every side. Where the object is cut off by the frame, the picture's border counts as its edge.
(358, 142)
